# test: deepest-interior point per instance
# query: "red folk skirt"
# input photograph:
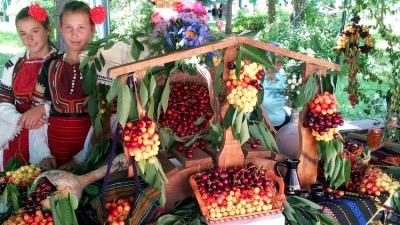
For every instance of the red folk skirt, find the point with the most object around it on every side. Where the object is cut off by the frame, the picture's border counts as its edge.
(67, 136)
(19, 147)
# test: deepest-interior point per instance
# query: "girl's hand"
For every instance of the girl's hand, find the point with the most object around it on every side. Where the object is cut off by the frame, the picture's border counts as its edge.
(48, 163)
(33, 118)
(69, 166)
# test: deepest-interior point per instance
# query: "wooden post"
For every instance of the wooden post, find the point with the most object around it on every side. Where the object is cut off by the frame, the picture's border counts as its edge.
(308, 167)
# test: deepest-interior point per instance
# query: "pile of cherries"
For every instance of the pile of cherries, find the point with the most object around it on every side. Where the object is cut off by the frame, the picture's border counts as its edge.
(118, 210)
(33, 213)
(187, 102)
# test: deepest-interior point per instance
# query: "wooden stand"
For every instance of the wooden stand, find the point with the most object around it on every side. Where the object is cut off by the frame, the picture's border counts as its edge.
(387, 144)
(231, 153)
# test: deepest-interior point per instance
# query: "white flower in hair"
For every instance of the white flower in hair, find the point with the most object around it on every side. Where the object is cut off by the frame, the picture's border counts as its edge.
(289, 81)
(298, 92)
(293, 86)
(293, 80)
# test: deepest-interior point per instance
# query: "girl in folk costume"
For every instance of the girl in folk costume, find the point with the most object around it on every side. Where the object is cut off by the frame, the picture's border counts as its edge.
(60, 82)
(18, 83)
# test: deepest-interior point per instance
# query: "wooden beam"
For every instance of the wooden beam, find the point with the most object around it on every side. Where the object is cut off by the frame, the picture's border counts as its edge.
(225, 43)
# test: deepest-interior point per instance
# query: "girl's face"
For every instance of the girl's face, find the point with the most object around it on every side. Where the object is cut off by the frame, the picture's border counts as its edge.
(34, 36)
(77, 30)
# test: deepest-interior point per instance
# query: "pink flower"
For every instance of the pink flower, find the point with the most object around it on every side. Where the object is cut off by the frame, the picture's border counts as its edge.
(156, 18)
(98, 14)
(187, 4)
(199, 9)
(220, 24)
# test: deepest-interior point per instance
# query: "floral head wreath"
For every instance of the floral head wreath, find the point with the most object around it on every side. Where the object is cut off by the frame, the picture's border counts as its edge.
(37, 12)
(98, 14)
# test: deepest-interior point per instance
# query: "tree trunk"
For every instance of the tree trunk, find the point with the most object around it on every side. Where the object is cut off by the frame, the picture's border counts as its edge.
(228, 27)
(271, 11)
(298, 13)
(58, 4)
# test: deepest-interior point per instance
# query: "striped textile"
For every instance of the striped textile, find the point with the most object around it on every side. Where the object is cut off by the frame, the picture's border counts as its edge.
(144, 209)
(67, 136)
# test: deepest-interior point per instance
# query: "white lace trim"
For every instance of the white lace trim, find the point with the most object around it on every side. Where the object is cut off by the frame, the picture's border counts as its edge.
(16, 132)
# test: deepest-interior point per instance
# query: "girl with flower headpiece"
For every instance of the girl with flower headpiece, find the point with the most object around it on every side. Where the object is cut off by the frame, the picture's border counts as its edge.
(18, 83)
(60, 83)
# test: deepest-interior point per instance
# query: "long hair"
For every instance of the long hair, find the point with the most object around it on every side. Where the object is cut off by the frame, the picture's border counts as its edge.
(76, 7)
(23, 13)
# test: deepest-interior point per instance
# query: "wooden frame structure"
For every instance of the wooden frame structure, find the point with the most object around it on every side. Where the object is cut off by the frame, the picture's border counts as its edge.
(231, 153)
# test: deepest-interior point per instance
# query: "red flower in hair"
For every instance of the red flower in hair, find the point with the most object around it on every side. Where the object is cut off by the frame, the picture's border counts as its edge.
(38, 13)
(98, 14)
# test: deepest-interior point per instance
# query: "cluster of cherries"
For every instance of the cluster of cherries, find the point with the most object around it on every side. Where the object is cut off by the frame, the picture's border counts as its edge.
(254, 143)
(33, 213)
(141, 140)
(187, 102)
(323, 118)
(371, 180)
(235, 191)
(352, 150)
(118, 210)
(202, 144)
(20, 177)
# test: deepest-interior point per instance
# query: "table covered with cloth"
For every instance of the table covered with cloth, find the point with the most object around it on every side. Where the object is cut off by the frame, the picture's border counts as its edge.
(353, 209)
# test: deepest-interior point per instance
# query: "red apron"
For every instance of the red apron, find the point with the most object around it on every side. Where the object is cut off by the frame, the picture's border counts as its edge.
(19, 147)
(67, 136)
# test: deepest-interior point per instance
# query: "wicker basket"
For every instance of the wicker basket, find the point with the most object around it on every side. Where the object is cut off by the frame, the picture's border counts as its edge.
(205, 77)
(277, 201)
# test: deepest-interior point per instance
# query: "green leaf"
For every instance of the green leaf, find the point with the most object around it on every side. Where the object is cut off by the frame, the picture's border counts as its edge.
(195, 221)
(126, 41)
(217, 80)
(102, 60)
(256, 55)
(269, 139)
(109, 45)
(238, 64)
(194, 138)
(141, 164)
(133, 110)
(73, 201)
(165, 95)
(93, 108)
(307, 92)
(260, 98)
(124, 101)
(135, 51)
(139, 45)
(192, 70)
(90, 80)
(234, 116)
(13, 164)
(309, 203)
(144, 95)
(325, 219)
(299, 217)
(33, 187)
(394, 170)
(150, 112)
(209, 61)
(168, 220)
(93, 51)
(98, 125)
(54, 213)
(255, 133)
(150, 174)
(164, 137)
(68, 213)
(6, 194)
(238, 120)
(347, 171)
(199, 121)
(113, 92)
(244, 132)
(336, 171)
(163, 197)
(98, 64)
(84, 62)
(289, 213)
(92, 189)
(153, 85)
(227, 122)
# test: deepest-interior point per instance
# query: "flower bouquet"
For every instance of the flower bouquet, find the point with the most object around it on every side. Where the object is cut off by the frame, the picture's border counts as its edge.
(183, 26)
